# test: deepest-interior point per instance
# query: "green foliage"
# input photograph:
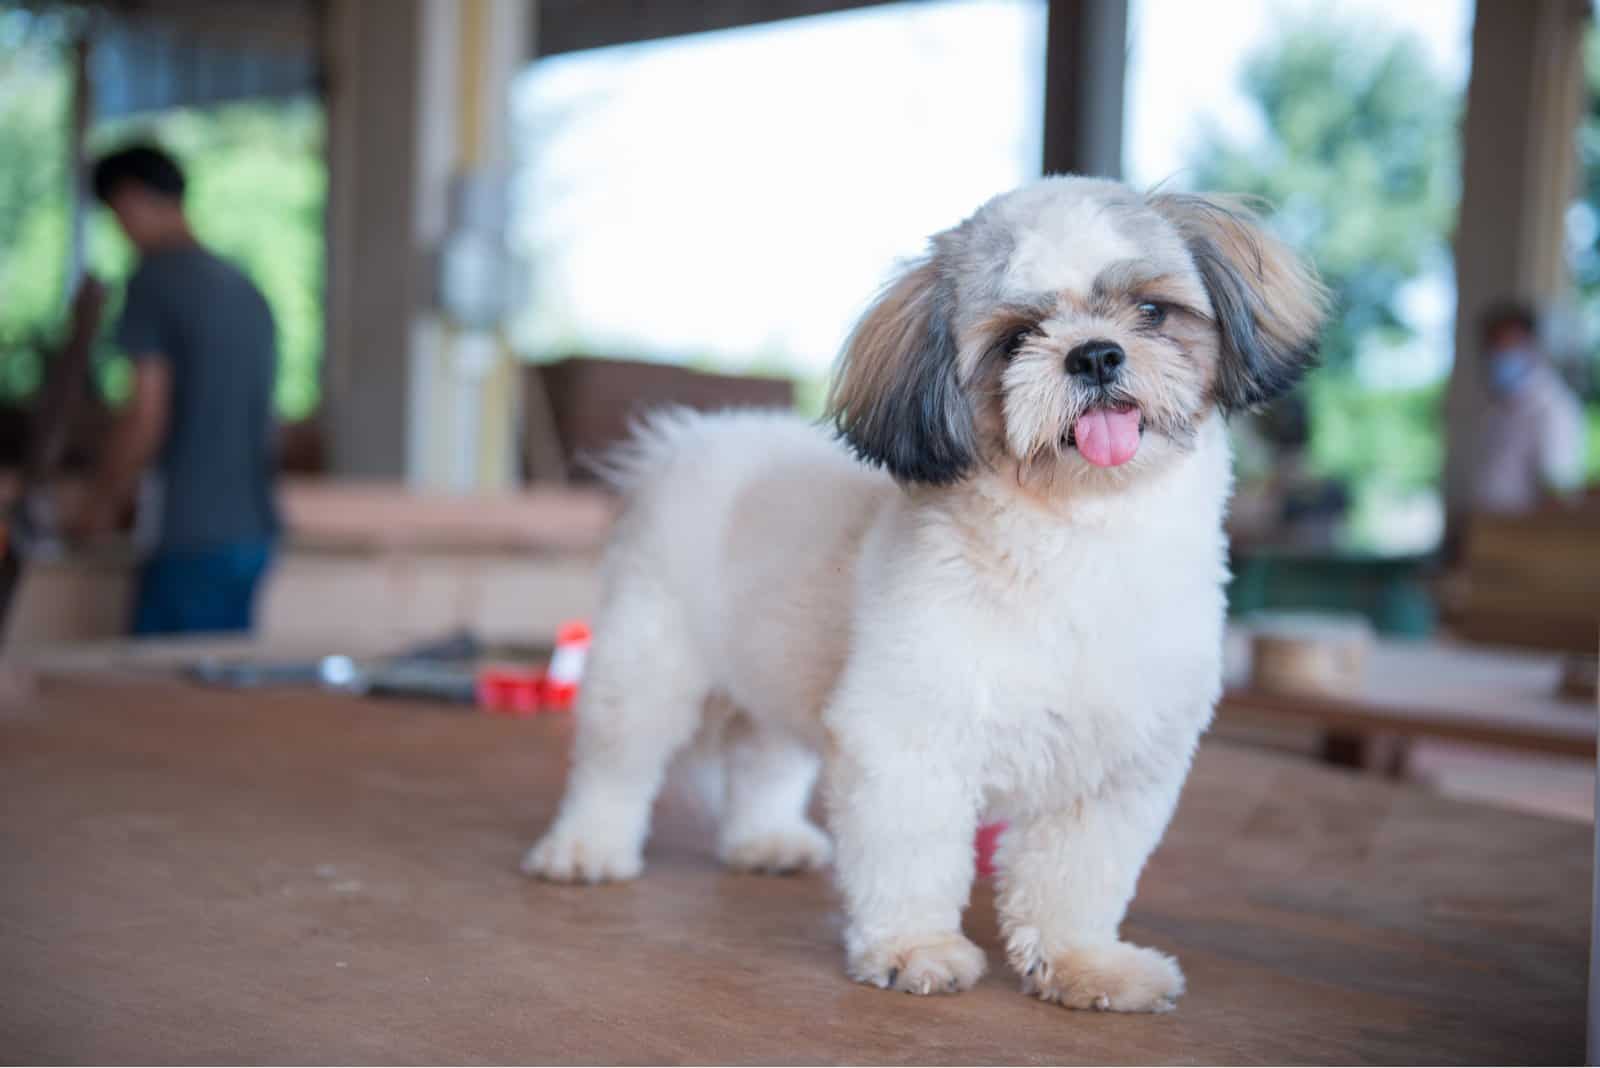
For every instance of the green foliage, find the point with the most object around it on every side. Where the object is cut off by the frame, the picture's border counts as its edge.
(1591, 460)
(1585, 252)
(1359, 157)
(34, 97)
(257, 195)
(1360, 160)
(1393, 433)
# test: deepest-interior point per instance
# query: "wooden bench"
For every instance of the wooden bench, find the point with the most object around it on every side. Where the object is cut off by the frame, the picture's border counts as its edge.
(1531, 581)
(1439, 690)
(373, 563)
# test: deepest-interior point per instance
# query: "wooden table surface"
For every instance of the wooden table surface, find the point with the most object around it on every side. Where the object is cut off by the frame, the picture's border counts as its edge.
(1436, 689)
(192, 876)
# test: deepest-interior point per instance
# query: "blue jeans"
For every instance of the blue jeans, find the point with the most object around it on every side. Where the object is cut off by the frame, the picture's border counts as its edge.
(194, 591)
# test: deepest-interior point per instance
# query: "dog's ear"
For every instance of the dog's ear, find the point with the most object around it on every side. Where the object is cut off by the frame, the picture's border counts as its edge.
(1269, 305)
(897, 397)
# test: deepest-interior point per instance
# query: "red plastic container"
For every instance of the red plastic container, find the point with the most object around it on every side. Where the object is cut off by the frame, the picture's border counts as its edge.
(511, 691)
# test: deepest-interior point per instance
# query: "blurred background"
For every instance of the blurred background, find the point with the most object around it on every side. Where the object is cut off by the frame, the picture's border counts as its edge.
(489, 231)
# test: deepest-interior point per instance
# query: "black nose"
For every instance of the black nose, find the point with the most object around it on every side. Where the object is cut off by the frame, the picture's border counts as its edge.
(1099, 361)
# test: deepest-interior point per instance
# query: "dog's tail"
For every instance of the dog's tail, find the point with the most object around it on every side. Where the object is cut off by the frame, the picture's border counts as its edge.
(653, 437)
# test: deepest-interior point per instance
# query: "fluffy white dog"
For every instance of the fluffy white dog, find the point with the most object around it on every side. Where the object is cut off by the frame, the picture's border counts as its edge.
(1013, 609)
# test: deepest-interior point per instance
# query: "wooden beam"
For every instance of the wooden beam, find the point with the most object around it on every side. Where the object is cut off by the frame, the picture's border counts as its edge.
(574, 25)
(1085, 65)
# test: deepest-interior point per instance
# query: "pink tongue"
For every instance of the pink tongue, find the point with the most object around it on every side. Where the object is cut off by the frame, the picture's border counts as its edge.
(1107, 438)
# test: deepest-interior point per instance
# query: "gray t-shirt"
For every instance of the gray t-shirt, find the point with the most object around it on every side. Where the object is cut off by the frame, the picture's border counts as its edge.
(210, 323)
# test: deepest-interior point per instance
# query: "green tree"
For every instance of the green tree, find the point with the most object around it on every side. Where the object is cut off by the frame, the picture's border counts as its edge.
(1585, 251)
(257, 195)
(1358, 155)
(1360, 158)
(1585, 241)
(34, 97)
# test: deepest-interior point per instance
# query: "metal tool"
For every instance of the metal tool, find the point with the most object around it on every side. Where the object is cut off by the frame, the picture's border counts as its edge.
(445, 670)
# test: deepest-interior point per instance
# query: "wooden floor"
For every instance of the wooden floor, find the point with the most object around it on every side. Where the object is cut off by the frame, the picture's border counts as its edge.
(198, 877)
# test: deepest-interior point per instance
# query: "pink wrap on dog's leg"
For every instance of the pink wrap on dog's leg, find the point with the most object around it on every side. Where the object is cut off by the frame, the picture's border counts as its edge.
(988, 839)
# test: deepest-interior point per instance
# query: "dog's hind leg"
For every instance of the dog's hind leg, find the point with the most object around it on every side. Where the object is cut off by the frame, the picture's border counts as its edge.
(769, 775)
(641, 701)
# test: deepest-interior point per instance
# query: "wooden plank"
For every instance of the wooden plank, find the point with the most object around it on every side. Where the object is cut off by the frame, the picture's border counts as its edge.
(1533, 580)
(1530, 629)
(1435, 690)
(1338, 714)
(595, 403)
(335, 515)
(574, 25)
(199, 876)
(1085, 60)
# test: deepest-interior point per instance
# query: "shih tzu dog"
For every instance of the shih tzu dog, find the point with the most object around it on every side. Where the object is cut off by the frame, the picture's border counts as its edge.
(1001, 597)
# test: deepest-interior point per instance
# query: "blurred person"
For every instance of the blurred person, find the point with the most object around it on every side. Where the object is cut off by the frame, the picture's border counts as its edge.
(203, 346)
(1311, 507)
(1530, 427)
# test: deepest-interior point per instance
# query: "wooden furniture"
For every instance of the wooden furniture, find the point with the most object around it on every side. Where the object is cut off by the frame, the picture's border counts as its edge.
(203, 876)
(1390, 591)
(376, 566)
(1309, 654)
(371, 565)
(1432, 689)
(1532, 581)
(593, 401)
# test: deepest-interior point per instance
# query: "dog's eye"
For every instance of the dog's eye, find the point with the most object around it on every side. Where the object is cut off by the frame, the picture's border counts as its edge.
(1152, 314)
(1014, 342)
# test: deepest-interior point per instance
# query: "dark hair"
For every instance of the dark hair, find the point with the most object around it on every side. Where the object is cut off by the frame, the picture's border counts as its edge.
(143, 165)
(1508, 313)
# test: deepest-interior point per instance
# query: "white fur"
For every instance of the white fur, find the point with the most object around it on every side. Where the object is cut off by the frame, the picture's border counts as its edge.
(1065, 240)
(961, 654)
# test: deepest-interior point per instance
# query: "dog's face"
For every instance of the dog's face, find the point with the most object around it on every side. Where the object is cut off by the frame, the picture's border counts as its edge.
(1074, 327)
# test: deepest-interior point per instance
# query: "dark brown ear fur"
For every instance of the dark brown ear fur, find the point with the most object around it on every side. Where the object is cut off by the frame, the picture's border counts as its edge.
(897, 397)
(1269, 304)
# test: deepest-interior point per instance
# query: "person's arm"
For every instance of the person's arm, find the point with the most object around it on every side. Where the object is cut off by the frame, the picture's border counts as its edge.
(135, 439)
(1561, 444)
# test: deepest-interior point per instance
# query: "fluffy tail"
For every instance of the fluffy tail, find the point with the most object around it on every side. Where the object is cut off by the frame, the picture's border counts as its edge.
(652, 439)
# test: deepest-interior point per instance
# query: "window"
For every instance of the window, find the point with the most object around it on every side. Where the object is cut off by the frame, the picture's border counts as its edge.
(732, 200)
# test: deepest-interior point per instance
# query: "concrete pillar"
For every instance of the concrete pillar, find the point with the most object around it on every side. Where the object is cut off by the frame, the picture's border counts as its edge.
(1519, 173)
(375, 265)
(418, 101)
(1085, 70)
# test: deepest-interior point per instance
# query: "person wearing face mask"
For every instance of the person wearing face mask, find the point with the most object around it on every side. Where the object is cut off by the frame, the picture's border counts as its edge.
(1530, 429)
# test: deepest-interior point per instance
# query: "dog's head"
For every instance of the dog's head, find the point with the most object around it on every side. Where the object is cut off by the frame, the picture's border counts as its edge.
(1077, 325)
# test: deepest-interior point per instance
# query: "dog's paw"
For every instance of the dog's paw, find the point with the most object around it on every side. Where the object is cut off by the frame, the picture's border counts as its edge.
(564, 855)
(936, 964)
(1115, 977)
(802, 847)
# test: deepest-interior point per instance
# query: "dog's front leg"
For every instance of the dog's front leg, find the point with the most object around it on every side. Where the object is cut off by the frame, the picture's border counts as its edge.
(1066, 878)
(903, 823)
